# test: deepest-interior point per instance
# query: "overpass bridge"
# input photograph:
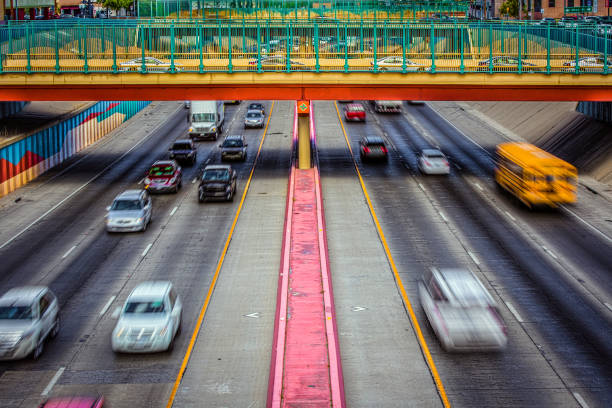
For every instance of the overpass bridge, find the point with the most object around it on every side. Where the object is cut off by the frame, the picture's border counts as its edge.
(303, 59)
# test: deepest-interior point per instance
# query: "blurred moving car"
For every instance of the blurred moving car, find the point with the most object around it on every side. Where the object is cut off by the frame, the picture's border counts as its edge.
(256, 106)
(372, 148)
(73, 402)
(461, 312)
(233, 147)
(433, 161)
(149, 320)
(232, 102)
(395, 63)
(184, 150)
(505, 63)
(416, 102)
(254, 118)
(187, 104)
(150, 65)
(354, 112)
(130, 211)
(387, 106)
(568, 21)
(218, 182)
(164, 176)
(589, 64)
(28, 316)
(278, 63)
(547, 21)
(604, 29)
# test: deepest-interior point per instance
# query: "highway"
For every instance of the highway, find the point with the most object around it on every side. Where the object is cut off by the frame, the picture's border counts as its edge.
(224, 260)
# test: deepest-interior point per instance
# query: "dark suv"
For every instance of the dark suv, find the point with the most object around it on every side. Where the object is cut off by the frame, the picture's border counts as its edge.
(372, 148)
(184, 150)
(218, 182)
(233, 147)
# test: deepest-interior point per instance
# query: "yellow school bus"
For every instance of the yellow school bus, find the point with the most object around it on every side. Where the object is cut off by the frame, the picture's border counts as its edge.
(534, 176)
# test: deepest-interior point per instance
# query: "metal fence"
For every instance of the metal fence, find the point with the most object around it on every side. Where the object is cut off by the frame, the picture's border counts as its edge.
(357, 46)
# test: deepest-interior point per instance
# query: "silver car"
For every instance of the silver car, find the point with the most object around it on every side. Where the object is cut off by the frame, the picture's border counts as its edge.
(254, 118)
(149, 320)
(461, 312)
(130, 211)
(28, 316)
(150, 65)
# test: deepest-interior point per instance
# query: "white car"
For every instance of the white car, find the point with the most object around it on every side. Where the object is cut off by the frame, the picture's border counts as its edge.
(394, 63)
(149, 320)
(28, 316)
(433, 161)
(130, 211)
(150, 65)
(589, 64)
(461, 312)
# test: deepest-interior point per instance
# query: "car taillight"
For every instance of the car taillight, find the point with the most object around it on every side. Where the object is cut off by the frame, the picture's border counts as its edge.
(426, 163)
(366, 149)
(252, 62)
(384, 149)
(482, 63)
(446, 164)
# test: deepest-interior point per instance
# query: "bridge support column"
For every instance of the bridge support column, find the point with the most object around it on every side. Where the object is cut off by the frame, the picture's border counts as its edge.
(304, 154)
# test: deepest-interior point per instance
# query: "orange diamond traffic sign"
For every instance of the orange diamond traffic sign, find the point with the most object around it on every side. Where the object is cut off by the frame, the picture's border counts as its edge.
(303, 107)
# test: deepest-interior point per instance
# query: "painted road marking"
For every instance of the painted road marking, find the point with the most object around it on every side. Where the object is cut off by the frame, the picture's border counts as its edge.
(549, 252)
(398, 280)
(479, 186)
(173, 211)
(421, 186)
(107, 305)
(213, 283)
(510, 215)
(68, 252)
(580, 400)
(443, 216)
(593, 228)
(69, 196)
(194, 180)
(512, 310)
(358, 308)
(51, 384)
(254, 315)
(609, 306)
(476, 261)
(144, 253)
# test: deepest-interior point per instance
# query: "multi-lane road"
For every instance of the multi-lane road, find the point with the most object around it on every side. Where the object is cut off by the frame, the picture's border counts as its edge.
(386, 224)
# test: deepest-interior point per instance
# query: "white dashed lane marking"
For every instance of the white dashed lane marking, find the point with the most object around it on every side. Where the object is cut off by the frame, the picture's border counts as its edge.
(68, 252)
(471, 254)
(173, 211)
(51, 384)
(107, 305)
(516, 314)
(146, 250)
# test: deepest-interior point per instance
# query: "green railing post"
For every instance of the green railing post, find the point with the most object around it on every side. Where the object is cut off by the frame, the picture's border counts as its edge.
(103, 39)
(10, 37)
(85, 64)
(219, 34)
(126, 41)
(57, 64)
(491, 41)
(229, 47)
(432, 45)
(520, 55)
(201, 41)
(289, 43)
(577, 67)
(462, 63)
(385, 37)
(27, 31)
(606, 51)
(503, 35)
(346, 66)
(243, 36)
(548, 48)
(143, 67)
(258, 48)
(78, 29)
(316, 44)
(150, 30)
(403, 48)
(374, 28)
(114, 50)
(172, 67)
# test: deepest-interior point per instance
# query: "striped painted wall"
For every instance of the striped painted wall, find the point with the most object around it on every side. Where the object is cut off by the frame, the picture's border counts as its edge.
(31, 156)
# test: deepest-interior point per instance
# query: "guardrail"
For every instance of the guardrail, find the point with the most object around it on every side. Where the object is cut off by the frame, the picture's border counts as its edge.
(152, 46)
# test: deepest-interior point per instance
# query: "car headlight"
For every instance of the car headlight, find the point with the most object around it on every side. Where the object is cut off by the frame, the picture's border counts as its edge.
(191, 129)
(147, 180)
(163, 331)
(212, 129)
(140, 219)
(120, 332)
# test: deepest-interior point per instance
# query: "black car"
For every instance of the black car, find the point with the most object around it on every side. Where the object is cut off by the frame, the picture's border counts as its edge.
(257, 107)
(373, 148)
(184, 150)
(218, 182)
(233, 147)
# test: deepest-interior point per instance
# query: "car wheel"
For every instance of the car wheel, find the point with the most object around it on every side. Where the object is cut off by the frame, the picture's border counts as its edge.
(229, 196)
(38, 350)
(145, 225)
(180, 326)
(56, 328)
(170, 345)
(200, 197)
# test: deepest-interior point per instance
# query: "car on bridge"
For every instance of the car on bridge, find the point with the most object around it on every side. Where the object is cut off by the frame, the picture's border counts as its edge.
(164, 176)
(218, 182)
(589, 64)
(130, 211)
(278, 63)
(149, 320)
(150, 65)
(395, 63)
(28, 316)
(505, 63)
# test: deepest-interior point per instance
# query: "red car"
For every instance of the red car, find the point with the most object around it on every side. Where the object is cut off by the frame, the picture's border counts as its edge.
(164, 175)
(354, 112)
(73, 402)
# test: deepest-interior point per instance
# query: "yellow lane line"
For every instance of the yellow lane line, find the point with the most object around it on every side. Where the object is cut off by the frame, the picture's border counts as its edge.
(211, 288)
(400, 285)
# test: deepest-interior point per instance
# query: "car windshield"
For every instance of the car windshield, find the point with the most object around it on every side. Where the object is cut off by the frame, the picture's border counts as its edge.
(232, 143)
(156, 306)
(253, 115)
(375, 144)
(215, 175)
(434, 155)
(255, 106)
(15, 312)
(126, 205)
(161, 171)
(356, 108)
(203, 117)
(181, 146)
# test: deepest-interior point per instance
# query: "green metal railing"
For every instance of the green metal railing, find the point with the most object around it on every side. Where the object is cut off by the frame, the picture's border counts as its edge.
(270, 45)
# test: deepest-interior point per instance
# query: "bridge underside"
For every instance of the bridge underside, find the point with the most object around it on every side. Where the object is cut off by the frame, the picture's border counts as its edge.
(307, 85)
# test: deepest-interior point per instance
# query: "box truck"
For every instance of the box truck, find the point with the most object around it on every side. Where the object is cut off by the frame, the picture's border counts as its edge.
(206, 118)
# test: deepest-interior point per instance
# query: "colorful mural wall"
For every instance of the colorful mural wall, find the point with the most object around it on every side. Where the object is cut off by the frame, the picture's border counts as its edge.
(31, 156)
